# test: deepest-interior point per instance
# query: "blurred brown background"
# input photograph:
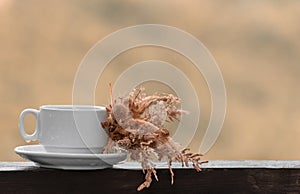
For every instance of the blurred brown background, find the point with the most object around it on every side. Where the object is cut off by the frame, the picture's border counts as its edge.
(256, 44)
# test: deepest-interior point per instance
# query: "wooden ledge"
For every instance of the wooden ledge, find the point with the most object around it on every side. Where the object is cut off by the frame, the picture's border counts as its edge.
(217, 177)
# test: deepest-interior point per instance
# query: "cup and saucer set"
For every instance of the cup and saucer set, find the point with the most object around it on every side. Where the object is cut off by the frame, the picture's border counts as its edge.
(70, 137)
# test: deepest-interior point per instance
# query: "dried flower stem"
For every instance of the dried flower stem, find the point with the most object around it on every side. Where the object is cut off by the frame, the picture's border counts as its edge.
(148, 179)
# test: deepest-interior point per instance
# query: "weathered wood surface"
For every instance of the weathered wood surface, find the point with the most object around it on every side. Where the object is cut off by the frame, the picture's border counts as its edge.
(216, 177)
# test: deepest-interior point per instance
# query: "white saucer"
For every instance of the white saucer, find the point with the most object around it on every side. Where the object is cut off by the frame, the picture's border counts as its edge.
(69, 161)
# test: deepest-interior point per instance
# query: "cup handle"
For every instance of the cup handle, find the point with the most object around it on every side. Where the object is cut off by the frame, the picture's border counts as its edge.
(26, 136)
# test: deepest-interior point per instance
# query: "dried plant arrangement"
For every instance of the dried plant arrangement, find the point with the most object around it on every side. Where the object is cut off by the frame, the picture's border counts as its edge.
(136, 123)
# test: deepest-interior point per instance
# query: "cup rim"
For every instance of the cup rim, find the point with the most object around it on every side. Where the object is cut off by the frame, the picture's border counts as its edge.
(72, 108)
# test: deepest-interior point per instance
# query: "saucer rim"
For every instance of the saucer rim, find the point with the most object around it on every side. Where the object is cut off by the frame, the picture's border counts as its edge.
(22, 150)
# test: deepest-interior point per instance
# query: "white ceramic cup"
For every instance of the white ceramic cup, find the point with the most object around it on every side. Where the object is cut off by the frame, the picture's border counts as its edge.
(68, 128)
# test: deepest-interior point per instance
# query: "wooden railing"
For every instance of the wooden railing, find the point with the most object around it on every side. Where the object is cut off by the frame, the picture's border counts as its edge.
(216, 177)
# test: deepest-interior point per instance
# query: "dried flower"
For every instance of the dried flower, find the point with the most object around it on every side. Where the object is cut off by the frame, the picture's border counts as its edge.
(136, 123)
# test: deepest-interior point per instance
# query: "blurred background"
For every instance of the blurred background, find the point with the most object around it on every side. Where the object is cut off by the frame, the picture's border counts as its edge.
(256, 44)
